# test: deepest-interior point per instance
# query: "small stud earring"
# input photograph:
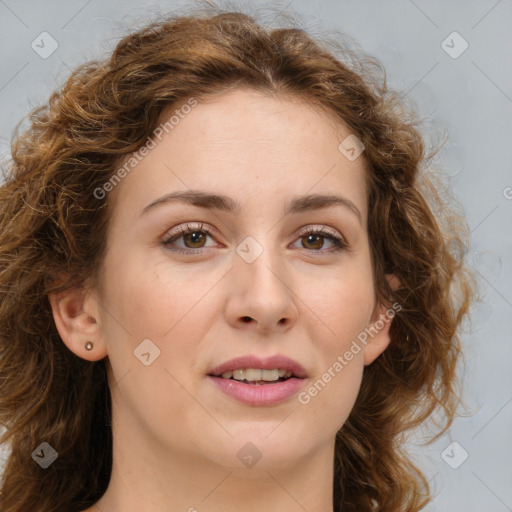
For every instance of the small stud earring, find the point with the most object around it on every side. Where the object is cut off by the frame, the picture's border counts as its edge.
(88, 346)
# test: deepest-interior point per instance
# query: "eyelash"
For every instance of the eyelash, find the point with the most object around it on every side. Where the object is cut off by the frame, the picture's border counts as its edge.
(339, 243)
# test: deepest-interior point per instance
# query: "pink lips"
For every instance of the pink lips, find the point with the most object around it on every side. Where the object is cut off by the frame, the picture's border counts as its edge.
(260, 394)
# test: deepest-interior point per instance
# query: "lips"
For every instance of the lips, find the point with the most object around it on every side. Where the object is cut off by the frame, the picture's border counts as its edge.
(265, 395)
(270, 363)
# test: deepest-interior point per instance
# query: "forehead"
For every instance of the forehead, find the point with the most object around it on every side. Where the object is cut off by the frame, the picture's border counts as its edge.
(248, 145)
(248, 115)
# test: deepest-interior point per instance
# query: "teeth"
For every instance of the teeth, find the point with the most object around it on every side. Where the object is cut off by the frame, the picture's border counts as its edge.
(255, 374)
(269, 375)
(252, 374)
(239, 374)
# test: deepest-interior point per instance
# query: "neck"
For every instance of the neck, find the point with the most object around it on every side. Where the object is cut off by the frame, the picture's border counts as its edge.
(146, 476)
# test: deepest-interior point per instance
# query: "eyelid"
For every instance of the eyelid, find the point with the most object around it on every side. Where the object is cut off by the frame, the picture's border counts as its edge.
(192, 225)
(188, 227)
(322, 230)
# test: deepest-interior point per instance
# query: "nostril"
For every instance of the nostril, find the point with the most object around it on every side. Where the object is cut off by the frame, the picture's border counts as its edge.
(246, 319)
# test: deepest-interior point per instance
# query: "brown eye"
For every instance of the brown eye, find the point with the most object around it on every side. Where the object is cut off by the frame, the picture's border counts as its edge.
(195, 239)
(316, 241)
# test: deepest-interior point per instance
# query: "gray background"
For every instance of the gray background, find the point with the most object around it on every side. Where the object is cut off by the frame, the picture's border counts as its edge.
(470, 97)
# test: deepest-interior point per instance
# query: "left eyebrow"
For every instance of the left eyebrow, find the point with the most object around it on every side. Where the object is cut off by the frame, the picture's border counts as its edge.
(197, 198)
(211, 201)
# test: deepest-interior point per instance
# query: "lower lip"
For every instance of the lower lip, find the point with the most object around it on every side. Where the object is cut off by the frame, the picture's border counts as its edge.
(258, 395)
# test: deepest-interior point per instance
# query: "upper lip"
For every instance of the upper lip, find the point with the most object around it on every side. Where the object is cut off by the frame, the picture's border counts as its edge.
(269, 363)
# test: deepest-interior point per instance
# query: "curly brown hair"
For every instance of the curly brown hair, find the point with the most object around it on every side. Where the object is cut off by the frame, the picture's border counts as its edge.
(53, 233)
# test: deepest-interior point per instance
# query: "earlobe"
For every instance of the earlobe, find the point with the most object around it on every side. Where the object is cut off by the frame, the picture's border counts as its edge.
(75, 314)
(378, 332)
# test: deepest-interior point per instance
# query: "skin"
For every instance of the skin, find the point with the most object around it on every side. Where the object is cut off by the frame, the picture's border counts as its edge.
(176, 436)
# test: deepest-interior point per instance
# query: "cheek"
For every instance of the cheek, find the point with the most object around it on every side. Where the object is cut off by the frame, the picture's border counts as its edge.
(155, 298)
(331, 400)
(345, 303)
(166, 303)
(342, 302)
(333, 389)
(170, 308)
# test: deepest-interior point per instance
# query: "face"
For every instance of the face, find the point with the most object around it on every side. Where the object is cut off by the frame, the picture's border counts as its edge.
(189, 286)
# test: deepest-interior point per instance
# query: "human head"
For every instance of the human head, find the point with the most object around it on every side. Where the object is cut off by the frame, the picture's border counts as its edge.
(127, 97)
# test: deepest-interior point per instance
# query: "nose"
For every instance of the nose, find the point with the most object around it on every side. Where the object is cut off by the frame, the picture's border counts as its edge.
(262, 296)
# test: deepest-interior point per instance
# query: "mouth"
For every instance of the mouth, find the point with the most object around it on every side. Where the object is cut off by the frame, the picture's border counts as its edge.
(257, 376)
(255, 370)
(259, 382)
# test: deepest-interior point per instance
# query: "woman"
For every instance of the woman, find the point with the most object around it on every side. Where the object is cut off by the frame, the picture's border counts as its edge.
(223, 287)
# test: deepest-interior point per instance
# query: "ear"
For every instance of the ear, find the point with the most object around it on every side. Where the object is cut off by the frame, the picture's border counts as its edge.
(76, 316)
(378, 338)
